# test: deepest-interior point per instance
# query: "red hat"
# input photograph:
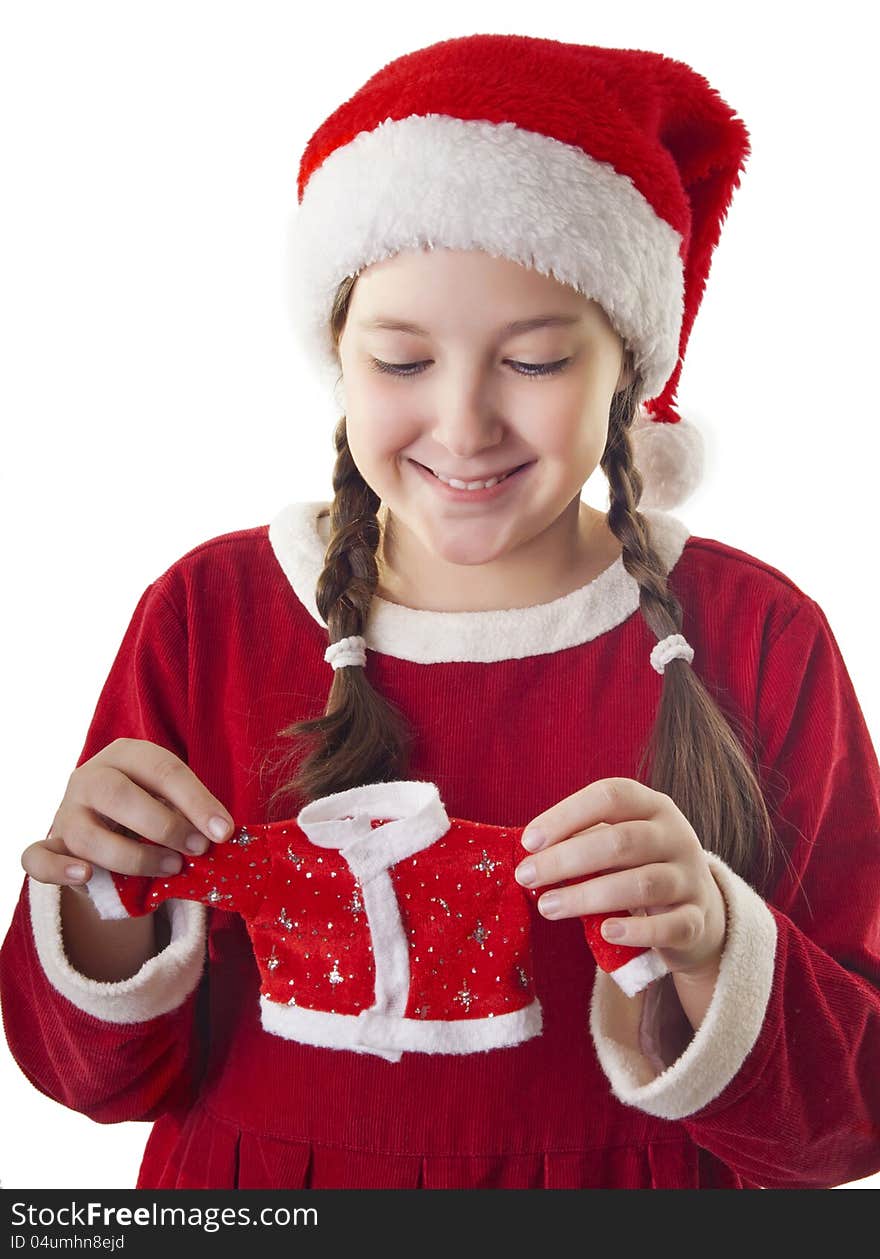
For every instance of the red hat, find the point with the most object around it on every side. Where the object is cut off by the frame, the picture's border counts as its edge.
(610, 169)
(379, 924)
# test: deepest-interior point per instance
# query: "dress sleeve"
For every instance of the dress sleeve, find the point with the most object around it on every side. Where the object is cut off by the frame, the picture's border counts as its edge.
(780, 1080)
(130, 1049)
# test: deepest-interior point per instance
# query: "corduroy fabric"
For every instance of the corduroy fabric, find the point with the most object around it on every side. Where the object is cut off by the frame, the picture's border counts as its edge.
(221, 653)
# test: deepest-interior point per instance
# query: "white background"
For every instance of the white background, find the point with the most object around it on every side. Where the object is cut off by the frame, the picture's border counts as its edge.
(153, 396)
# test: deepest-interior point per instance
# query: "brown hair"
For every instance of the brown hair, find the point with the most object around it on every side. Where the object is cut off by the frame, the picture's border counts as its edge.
(695, 756)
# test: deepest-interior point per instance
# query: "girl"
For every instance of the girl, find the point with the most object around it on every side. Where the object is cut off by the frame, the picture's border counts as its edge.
(502, 245)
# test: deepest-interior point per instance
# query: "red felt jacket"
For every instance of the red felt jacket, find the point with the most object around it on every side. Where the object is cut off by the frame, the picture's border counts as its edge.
(422, 913)
(511, 711)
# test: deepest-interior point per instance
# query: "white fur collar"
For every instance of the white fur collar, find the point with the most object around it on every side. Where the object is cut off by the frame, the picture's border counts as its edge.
(299, 541)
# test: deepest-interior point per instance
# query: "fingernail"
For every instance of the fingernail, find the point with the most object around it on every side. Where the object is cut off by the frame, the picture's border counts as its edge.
(218, 827)
(613, 930)
(170, 864)
(533, 840)
(196, 844)
(550, 903)
(525, 873)
(75, 872)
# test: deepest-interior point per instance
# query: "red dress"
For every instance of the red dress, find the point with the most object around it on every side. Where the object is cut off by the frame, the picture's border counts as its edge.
(511, 712)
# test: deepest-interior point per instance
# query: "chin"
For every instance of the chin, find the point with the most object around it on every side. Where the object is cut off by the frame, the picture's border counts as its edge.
(468, 551)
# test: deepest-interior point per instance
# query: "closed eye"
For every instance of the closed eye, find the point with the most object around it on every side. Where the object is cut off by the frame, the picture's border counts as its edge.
(415, 369)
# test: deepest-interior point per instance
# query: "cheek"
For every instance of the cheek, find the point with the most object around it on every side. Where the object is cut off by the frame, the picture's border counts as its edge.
(568, 432)
(586, 418)
(378, 435)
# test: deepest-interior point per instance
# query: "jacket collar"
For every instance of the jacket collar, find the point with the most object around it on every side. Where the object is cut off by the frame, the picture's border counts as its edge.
(344, 820)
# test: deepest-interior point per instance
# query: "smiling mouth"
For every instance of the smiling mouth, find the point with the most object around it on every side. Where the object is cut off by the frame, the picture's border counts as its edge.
(498, 480)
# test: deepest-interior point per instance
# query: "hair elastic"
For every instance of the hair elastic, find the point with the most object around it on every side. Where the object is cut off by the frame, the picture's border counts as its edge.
(351, 650)
(673, 647)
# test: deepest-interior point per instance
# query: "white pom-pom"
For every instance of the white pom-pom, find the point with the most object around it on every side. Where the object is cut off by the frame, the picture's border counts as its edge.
(670, 459)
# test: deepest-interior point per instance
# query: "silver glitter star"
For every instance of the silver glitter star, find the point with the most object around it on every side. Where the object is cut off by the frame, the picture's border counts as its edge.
(479, 934)
(215, 896)
(334, 976)
(272, 961)
(284, 919)
(522, 977)
(243, 838)
(465, 996)
(356, 905)
(487, 863)
(296, 857)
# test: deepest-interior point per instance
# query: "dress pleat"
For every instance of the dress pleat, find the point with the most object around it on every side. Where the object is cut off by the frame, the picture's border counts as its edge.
(195, 1151)
(598, 1169)
(208, 1156)
(673, 1165)
(267, 1163)
(484, 1171)
(583, 1169)
(336, 1167)
(159, 1153)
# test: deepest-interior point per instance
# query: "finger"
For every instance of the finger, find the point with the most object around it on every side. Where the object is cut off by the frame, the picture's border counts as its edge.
(48, 861)
(89, 841)
(646, 887)
(602, 847)
(679, 928)
(605, 800)
(173, 803)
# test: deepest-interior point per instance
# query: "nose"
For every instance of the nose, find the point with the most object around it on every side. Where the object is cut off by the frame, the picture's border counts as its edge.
(466, 422)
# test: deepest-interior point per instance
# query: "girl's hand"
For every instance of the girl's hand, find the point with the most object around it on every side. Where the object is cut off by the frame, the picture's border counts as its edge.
(129, 791)
(661, 872)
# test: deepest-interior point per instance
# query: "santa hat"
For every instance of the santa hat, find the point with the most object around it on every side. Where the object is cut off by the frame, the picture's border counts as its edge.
(610, 169)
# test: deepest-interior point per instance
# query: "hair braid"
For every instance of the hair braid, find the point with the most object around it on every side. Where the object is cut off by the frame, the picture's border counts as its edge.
(362, 737)
(694, 755)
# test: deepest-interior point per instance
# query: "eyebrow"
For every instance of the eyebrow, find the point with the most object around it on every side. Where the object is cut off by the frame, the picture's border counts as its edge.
(517, 325)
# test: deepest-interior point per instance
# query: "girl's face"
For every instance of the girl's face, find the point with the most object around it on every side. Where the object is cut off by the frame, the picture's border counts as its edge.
(470, 399)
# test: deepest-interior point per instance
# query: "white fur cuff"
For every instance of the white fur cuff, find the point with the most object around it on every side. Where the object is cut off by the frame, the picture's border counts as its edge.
(727, 1033)
(163, 983)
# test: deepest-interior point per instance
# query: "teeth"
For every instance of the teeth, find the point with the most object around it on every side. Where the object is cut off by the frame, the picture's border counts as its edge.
(471, 485)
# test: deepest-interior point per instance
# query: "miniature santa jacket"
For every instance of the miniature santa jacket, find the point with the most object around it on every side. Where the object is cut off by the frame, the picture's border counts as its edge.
(511, 712)
(379, 924)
